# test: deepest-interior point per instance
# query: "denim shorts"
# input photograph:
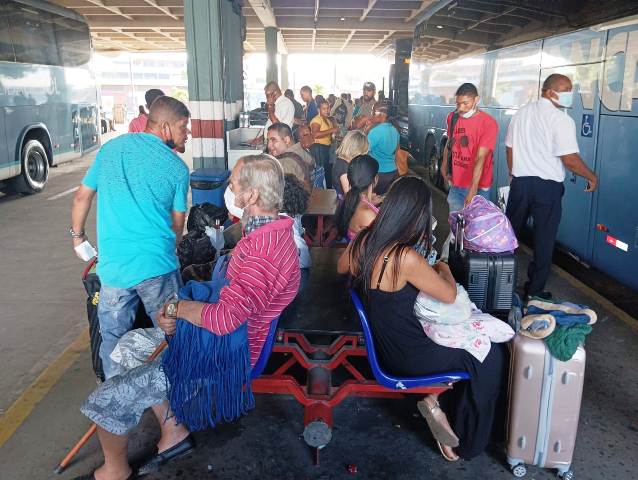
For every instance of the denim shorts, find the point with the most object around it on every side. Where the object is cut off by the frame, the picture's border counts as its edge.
(117, 308)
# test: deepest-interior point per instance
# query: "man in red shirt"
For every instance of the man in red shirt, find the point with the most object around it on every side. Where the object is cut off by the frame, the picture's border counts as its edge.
(471, 141)
(138, 124)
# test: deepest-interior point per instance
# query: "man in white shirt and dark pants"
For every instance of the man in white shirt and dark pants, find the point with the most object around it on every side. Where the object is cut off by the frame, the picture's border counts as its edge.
(540, 145)
(280, 110)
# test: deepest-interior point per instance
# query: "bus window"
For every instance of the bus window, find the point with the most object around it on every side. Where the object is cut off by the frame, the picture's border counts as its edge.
(6, 48)
(516, 76)
(584, 46)
(71, 36)
(32, 35)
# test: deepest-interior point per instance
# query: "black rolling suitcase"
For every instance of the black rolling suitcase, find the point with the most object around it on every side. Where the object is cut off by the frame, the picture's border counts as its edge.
(489, 278)
(92, 286)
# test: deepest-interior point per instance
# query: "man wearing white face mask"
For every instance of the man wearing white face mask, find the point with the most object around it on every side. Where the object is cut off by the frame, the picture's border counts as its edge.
(471, 141)
(540, 144)
(142, 188)
(472, 136)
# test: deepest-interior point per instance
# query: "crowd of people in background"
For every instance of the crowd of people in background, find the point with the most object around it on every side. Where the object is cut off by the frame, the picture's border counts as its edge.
(321, 125)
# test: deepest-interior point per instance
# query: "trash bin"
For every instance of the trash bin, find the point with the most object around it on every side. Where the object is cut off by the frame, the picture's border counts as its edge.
(208, 185)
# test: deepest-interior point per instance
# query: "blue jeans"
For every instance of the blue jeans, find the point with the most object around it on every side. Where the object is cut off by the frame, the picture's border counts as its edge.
(117, 308)
(456, 197)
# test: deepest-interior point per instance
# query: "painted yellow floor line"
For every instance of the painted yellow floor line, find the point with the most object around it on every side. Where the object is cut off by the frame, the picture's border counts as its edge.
(24, 405)
(574, 282)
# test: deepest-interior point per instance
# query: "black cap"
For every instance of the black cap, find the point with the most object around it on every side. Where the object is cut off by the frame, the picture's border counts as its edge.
(369, 86)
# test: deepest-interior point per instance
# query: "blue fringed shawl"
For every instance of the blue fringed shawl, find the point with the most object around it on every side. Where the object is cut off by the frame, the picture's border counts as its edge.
(208, 375)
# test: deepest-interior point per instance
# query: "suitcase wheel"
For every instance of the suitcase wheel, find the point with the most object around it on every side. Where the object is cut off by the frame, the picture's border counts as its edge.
(519, 470)
(568, 475)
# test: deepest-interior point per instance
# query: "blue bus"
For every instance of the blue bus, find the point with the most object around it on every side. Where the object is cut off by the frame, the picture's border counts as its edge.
(506, 49)
(48, 95)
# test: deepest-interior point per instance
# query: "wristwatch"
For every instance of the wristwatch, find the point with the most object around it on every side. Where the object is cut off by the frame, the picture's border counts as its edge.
(170, 309)
(73, 233)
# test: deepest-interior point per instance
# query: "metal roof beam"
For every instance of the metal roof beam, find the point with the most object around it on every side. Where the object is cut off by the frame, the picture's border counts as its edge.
(267, 17)
(380, 42)
(164, 34)
(414, 13)
(470, 37)
(165, 10)
(301, 23)
(135, 37)
(350, 35)
(370, 6)
(115, 10)
(160, 21)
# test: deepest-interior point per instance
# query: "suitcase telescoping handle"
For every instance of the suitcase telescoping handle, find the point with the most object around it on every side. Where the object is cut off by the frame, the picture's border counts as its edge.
(460, 232)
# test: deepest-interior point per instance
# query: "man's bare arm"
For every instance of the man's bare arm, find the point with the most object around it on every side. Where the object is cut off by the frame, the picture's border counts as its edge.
(574, 163)
(80, 210)
(178, 225)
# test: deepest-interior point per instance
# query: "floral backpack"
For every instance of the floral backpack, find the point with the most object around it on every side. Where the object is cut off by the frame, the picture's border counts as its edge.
(487, 229)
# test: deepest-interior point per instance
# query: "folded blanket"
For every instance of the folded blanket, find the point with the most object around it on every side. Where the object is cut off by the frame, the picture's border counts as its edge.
(434, 311)
(565, 313)
(458, 325)
(564, 342)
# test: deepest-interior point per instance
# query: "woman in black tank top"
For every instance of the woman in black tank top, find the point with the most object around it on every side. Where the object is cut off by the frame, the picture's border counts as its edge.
(389, 274)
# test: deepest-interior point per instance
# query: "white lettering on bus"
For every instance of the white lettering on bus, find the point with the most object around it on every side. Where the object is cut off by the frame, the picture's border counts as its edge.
(614, 97)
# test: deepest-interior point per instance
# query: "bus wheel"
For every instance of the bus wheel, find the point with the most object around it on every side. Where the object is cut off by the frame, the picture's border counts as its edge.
(35, 168)
(434, 167)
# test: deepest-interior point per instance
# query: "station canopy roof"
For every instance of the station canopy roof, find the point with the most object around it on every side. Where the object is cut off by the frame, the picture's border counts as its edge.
(455, 27)
(326, 26)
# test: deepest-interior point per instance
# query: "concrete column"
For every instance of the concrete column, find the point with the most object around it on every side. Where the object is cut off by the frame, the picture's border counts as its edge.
(272, 70)
(215, 78)
(284, 73)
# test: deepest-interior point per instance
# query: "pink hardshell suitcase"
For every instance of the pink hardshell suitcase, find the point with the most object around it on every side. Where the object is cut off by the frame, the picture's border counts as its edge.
(544, 407)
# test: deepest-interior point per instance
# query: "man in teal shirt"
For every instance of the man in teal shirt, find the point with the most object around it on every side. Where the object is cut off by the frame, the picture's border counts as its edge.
(142, 188)
(383, 138)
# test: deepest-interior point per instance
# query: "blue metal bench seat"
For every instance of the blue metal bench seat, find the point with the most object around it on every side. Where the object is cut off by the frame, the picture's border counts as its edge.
(391, 381)
(266, 350)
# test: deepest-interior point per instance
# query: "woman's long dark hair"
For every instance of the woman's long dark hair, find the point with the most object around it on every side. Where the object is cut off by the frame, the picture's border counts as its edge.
(362, 171)
(405, 219)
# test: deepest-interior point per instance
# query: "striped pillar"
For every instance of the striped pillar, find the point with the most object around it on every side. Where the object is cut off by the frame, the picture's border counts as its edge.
(215, 79)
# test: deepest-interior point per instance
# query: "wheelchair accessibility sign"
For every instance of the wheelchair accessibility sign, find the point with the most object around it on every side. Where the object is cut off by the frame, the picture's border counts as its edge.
(587, 125)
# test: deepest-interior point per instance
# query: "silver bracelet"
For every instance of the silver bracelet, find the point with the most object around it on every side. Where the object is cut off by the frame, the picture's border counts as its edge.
(73, 234)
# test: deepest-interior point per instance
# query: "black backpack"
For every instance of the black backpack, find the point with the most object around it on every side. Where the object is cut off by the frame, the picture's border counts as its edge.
(340, 114)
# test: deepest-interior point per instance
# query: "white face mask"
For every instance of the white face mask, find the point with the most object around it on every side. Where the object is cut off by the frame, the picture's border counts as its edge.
(565, 99)
(469, 113)
(229, 200)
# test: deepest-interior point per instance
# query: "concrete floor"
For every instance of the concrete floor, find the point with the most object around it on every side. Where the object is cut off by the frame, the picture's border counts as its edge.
(42, 304)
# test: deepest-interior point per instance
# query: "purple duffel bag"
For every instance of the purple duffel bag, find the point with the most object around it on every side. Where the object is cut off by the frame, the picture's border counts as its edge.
(487, 229)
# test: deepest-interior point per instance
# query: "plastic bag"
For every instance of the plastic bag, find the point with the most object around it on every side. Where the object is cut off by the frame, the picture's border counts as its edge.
(195, 248)
(444, 313)
(204, 215)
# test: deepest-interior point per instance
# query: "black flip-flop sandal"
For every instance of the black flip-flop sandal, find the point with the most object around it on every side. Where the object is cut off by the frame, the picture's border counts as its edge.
(154, 463)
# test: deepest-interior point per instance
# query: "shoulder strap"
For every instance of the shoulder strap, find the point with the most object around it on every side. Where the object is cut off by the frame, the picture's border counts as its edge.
(385, 264)
(453, 120)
